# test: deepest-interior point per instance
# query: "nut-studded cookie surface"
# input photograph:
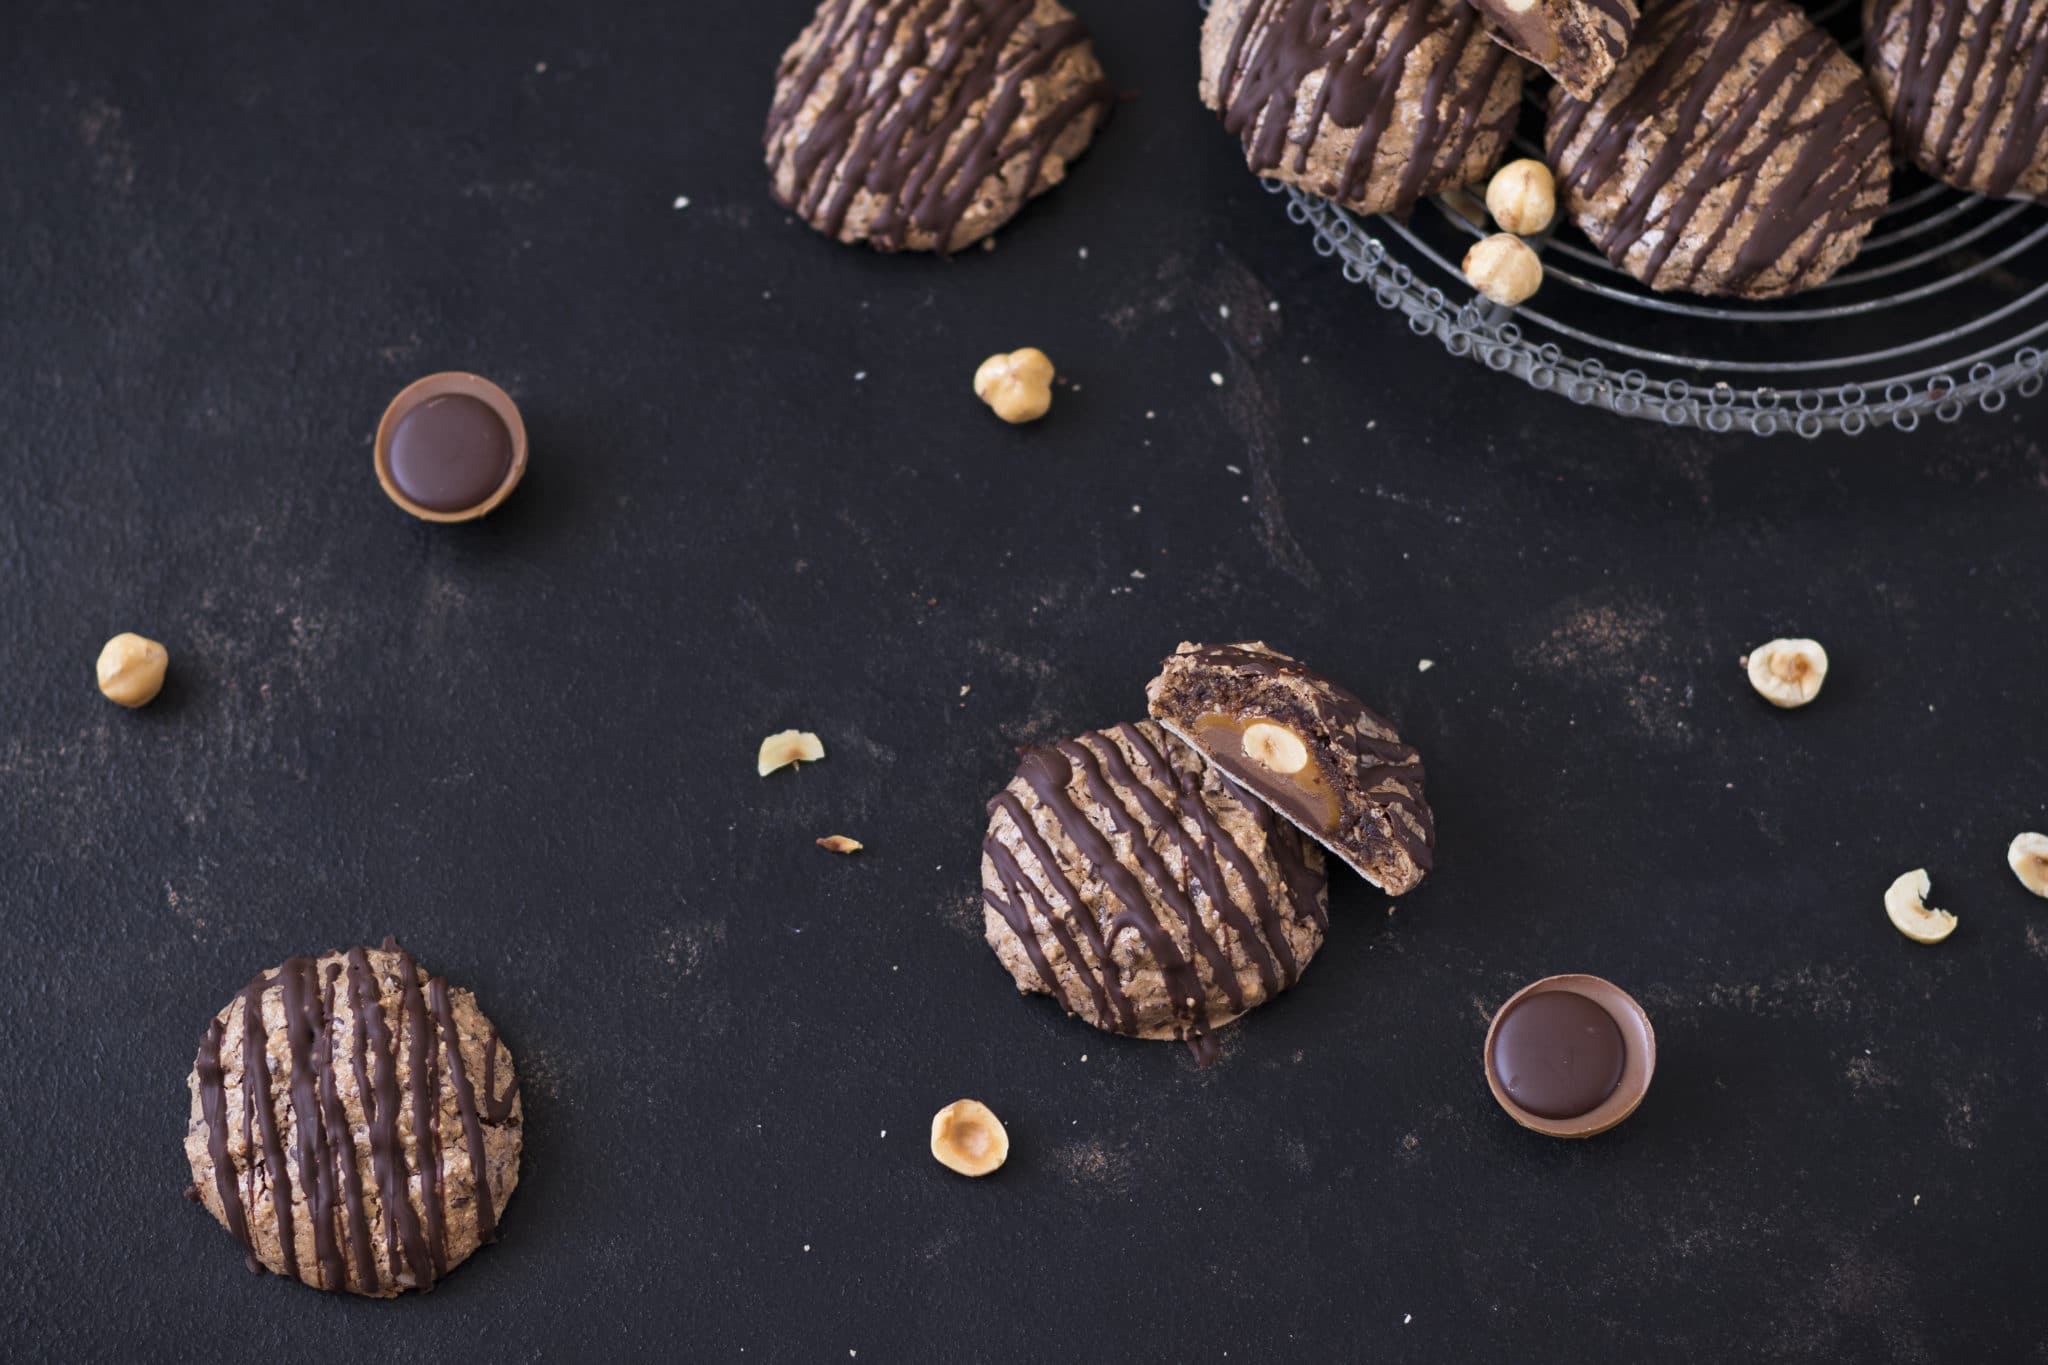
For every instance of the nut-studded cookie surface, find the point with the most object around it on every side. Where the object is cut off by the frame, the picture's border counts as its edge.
(1736, 150)
(1143, 890)
(1309, 748)
(1371, 103)
(1579, 42)
(925, 124)
(355, 1124)
(1965, 83)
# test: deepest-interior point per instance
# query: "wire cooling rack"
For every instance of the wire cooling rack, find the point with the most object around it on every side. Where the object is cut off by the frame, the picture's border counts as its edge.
(1945, 308)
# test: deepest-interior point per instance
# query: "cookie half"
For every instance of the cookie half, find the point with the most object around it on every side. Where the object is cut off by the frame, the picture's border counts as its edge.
(1145, 892)
(355, 1124)
(1736, 150)
(924, 125)
(1966, 87)
(1579, 42)
(1309, 748)
(1371, 103)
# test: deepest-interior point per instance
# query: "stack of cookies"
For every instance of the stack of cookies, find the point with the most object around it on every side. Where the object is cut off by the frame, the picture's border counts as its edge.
(1715, 146)
(1161, 877)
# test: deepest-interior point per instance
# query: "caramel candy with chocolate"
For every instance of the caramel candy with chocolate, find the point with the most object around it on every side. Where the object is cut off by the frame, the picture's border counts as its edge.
(1308, 748)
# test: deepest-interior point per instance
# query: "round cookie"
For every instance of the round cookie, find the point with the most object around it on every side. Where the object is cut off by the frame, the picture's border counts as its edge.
(354, 1123)
(1966, 87)
(1371, 103)
(924, 125)
(1306, 747)
(1736, 150)
(1141, 889)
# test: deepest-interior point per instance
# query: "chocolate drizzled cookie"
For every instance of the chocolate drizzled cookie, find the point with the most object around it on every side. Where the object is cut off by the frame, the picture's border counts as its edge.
(1966, 87)
(1142, 890)
(355, 1124)
(1307, 747)
(925, 124)
(1371, 103)
(1579, 42)
(1735, 151)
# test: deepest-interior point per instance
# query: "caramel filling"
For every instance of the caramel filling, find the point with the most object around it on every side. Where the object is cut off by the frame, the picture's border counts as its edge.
(1246, 747)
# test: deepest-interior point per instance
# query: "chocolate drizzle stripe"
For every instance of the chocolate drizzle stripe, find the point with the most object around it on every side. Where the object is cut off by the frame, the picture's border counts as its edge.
(897, 123)
(303, 1024)
(343, 1141)
(465, 1108)
(256, 1094)
(416, 1026)
(388, 1161)
(496, 1108)
(213, 1109)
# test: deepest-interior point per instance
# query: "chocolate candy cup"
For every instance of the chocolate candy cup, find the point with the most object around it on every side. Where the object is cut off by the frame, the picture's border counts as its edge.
(1639, 1063)
(451, 383)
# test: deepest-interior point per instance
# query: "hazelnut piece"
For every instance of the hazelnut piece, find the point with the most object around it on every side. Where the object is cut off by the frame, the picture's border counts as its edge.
(131, 669)
(967, 1138)
(1787, 672)
(1522, 196)
(787, 747)
(1018, 385)
(1275, 747)
(839, 843)
(2028, 858)
(1504, 268)
(1906, 902)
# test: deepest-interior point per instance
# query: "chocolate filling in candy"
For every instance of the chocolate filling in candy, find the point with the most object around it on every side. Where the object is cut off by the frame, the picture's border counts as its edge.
(1558, 1054)
(450, 453)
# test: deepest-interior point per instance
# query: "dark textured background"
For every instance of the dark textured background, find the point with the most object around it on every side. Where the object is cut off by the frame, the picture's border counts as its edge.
(526, 746)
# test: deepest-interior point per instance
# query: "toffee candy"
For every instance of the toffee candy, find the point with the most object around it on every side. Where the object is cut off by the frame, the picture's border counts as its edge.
(1308, 748)
(1570, 1056)
(1143, 890)
(924, 125)
(1966, 85)
(451, 447)
(1736, 150)
(1374, 104)
(355, 1124)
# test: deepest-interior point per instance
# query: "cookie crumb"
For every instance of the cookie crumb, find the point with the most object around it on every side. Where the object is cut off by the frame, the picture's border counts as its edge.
(1216, 379)
(1424, 665)
(682, 200)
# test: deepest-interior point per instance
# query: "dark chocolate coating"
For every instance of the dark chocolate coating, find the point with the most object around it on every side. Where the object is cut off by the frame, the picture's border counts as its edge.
(1558, 1054)
(450, 453)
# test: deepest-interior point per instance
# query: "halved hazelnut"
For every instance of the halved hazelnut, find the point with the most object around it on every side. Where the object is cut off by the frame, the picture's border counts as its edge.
(969, 1139)
(790, 746)
(839, 843)
(2028, 858)
(1787, 672)
(1906, 902)
(1275, 747)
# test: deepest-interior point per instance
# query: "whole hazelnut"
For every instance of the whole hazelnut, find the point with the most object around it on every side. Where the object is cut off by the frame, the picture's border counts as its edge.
(1018, 385)
(1504, 268)
(131, 669)
(1522, 197)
